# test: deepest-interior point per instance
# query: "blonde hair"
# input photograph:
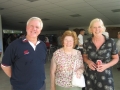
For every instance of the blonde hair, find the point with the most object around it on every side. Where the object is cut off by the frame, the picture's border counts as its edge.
(93, 21)
(70, 33)
(36, 18)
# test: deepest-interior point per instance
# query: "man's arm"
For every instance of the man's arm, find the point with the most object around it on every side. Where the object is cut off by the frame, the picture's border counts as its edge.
(7, 70)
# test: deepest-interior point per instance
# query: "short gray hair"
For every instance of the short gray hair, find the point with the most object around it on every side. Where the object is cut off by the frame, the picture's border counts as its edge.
(36, 18)
(93, 21)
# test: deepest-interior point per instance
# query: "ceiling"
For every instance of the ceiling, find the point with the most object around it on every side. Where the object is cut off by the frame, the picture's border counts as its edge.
(58, 14)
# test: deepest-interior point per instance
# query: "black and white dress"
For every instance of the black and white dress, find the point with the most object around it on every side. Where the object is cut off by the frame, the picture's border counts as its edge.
(99, 80)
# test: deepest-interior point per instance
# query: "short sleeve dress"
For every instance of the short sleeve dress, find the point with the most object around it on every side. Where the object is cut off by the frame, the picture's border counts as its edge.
(99, 80)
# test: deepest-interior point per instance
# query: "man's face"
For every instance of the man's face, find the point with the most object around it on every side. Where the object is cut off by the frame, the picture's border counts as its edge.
(82, 32)
(33, 28)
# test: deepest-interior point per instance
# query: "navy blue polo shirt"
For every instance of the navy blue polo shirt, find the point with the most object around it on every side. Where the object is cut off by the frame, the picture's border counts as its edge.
(27, 64)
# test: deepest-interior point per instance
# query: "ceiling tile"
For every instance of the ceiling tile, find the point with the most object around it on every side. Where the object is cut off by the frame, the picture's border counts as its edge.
(3, 1)
(59, 11)
(37, 3)
(20, 1)
(8, 4)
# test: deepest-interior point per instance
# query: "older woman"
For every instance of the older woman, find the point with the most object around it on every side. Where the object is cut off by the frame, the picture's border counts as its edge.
(63, 61)
(102, 48)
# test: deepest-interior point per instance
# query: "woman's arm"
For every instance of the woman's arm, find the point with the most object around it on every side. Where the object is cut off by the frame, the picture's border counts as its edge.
(90, 63)
(115, 59)
(80, 69)
(52, 75)
(104, 66)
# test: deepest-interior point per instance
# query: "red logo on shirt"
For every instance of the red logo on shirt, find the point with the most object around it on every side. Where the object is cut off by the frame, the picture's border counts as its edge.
(26, 52)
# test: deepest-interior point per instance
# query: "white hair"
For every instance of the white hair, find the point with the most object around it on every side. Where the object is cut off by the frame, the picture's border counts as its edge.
(93, 21)
(36, 18)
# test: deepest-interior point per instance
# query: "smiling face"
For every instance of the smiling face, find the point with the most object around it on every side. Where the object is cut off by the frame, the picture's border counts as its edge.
(97, 28)
(68, 42)
(33, 28)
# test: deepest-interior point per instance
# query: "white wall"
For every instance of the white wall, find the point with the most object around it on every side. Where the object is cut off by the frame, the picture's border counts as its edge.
(52, 32)
(1, 38)
(86, 27)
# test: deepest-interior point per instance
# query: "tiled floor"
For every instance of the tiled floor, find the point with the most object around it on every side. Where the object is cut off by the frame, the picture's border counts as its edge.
(5, 85)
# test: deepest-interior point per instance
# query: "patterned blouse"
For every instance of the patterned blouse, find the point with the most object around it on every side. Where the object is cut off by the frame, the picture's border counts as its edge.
(64, 66)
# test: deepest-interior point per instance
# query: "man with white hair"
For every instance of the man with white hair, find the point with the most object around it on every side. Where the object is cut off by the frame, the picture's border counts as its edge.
(24, 59)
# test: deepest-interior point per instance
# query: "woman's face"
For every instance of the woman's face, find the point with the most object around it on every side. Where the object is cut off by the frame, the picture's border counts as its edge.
(97, 28)
(68, 42)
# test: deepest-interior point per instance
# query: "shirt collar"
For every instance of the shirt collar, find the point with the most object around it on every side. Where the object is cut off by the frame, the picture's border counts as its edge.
(106, 38)
(25, 40)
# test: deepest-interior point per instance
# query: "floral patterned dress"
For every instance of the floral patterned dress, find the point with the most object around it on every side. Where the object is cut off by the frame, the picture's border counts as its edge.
(99, 80)
(65, 64)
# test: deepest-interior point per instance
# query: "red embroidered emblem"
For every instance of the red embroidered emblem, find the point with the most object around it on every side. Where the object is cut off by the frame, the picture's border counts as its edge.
(26, 52)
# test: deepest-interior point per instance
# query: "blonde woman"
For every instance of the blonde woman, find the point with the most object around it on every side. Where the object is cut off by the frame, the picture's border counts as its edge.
(102, 48)
(63, 61)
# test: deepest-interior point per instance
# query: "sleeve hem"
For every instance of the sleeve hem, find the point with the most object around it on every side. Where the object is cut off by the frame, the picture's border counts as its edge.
(4, 65)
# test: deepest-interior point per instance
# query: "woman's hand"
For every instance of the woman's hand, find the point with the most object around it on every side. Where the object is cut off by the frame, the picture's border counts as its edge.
(92, 65)
(78, 73)
(102, 67)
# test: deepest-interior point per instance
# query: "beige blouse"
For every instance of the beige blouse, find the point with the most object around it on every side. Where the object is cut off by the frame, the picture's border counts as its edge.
(64, 67)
